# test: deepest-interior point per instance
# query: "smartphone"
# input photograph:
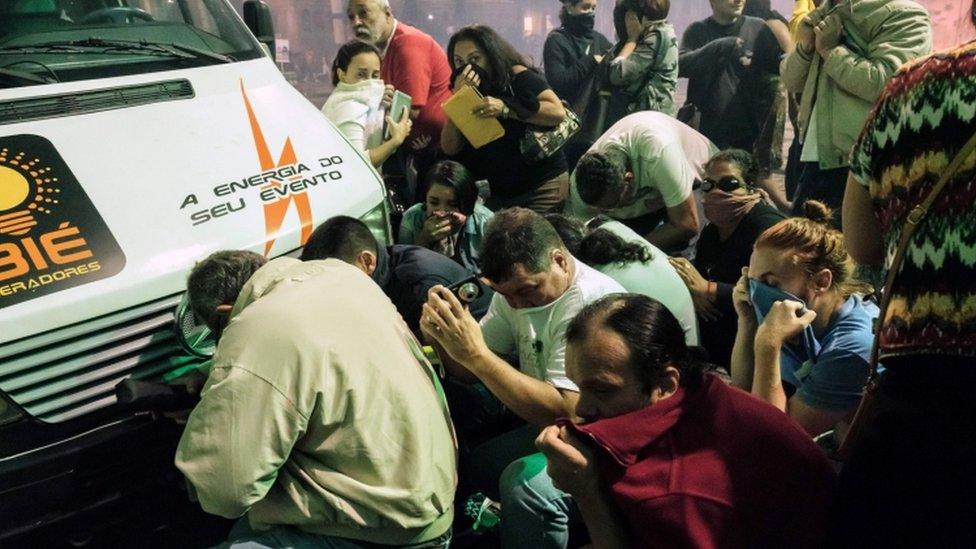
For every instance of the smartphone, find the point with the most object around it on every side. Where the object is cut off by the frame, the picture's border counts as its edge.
(467, 290)
(401, 104)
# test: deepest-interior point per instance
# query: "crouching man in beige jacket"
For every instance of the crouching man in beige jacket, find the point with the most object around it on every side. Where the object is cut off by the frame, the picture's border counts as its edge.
(320, 420)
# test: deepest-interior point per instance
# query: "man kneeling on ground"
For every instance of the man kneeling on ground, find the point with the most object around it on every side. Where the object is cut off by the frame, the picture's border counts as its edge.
(667, 455)
(320, 419)
(539, 288)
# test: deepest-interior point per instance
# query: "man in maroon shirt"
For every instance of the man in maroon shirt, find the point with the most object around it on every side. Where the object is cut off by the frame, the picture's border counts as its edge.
(669, 456)
(413, 63)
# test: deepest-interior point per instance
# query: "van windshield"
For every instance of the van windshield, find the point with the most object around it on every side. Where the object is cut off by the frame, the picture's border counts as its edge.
(45, 41)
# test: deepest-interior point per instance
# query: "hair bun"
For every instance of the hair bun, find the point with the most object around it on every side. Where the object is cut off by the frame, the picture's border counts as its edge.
(817, 211)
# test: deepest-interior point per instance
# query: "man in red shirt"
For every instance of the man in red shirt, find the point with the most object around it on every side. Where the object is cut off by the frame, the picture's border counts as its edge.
(669, 456)
(413, 63)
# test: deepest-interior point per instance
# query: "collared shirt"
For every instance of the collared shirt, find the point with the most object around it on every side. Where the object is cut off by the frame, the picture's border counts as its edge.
(386, 46)
(713, 466)
(536, 336)
(467, 252)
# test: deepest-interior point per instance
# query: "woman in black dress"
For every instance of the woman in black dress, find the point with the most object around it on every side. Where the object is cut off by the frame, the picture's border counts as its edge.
(737, 212)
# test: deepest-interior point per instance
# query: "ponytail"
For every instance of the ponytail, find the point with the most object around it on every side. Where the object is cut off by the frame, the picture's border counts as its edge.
(817, 246)
(602, 247)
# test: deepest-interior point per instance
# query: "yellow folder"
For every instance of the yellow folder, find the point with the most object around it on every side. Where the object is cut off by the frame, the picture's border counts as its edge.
(478, 131)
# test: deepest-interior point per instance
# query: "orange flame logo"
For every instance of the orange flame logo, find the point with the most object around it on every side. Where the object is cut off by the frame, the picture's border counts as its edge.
(274, 212)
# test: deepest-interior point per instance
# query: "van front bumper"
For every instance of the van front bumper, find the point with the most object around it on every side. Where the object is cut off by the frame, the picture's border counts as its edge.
(112, 484)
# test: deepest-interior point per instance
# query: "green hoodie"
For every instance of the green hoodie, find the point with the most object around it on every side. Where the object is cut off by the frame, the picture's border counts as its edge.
(879, 37)
(319, 415)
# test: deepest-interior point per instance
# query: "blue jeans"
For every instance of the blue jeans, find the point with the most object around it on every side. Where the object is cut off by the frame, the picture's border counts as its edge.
(241, 536)
(535, 514)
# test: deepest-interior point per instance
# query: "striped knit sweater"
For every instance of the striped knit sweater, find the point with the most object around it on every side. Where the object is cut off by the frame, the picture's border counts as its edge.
(921, 121)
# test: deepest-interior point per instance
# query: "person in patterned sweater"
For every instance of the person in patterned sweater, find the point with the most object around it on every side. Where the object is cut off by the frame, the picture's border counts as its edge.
(913, 470)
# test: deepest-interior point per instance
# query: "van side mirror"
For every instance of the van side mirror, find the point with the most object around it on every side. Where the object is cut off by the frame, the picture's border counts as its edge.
(257, 17)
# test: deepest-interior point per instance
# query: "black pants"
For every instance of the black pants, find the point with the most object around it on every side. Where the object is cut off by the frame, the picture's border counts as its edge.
(827, 186)
(911, 479)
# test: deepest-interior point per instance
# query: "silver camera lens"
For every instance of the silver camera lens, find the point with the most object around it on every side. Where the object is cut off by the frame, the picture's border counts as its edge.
(468, 292)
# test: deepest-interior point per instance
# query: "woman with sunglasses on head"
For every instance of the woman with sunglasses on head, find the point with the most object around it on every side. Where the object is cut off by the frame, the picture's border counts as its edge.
(804, 334)
(450, 221)
(737, 214)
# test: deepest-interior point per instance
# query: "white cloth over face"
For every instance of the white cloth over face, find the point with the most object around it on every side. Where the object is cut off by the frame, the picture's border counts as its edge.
(356, 111)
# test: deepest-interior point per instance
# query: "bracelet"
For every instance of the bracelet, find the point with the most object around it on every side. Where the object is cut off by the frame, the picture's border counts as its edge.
(506, 112)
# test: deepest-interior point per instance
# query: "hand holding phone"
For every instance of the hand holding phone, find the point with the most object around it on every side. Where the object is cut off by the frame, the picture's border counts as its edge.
(399, 109)
(467, 290)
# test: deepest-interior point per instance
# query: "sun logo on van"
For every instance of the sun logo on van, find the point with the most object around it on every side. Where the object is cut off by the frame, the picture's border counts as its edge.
(27, 188)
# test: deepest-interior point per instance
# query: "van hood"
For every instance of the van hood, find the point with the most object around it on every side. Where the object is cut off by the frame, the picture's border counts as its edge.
(106, 210)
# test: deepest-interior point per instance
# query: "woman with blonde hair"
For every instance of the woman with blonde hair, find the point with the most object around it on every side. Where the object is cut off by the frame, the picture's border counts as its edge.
(804, 328)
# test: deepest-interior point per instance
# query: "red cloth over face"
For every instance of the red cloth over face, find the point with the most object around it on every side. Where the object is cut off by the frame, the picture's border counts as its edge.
(714, 467)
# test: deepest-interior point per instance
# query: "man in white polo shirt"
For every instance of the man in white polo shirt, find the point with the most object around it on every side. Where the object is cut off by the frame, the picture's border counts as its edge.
(539, 288)
(641, 172)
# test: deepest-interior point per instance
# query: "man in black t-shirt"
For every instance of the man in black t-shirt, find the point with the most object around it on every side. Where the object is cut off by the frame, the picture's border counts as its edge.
(716, 57)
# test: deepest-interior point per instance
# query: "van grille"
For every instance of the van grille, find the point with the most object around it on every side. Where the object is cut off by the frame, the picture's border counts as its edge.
(68, 104)
(68, 372)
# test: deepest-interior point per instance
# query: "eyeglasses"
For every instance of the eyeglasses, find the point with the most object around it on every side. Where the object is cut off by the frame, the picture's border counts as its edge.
(728, 184)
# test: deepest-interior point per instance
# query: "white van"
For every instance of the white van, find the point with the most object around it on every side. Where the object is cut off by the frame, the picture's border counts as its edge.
(136, 137)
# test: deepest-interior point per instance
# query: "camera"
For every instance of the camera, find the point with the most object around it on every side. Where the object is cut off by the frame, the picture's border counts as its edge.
(467, 290)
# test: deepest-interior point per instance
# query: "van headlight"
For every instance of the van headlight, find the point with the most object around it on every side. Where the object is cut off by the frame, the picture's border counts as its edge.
(194, 336)
(379, 224)
(9, 412)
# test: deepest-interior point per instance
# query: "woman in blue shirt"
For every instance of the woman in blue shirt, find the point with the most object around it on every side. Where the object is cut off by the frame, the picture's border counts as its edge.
(450, 221)
(804, 331)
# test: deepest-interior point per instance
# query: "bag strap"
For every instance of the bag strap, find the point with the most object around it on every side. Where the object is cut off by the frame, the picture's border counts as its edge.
(658, 54)
(915, 218)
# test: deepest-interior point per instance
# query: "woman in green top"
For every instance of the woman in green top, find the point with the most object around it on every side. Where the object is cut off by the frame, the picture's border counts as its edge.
(617, 251)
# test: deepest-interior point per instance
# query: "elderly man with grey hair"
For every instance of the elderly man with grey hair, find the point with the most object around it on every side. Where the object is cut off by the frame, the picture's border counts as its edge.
(321, 422)
(413, 63)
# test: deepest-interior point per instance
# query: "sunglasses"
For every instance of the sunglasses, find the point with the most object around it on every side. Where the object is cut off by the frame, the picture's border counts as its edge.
(728, 184)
